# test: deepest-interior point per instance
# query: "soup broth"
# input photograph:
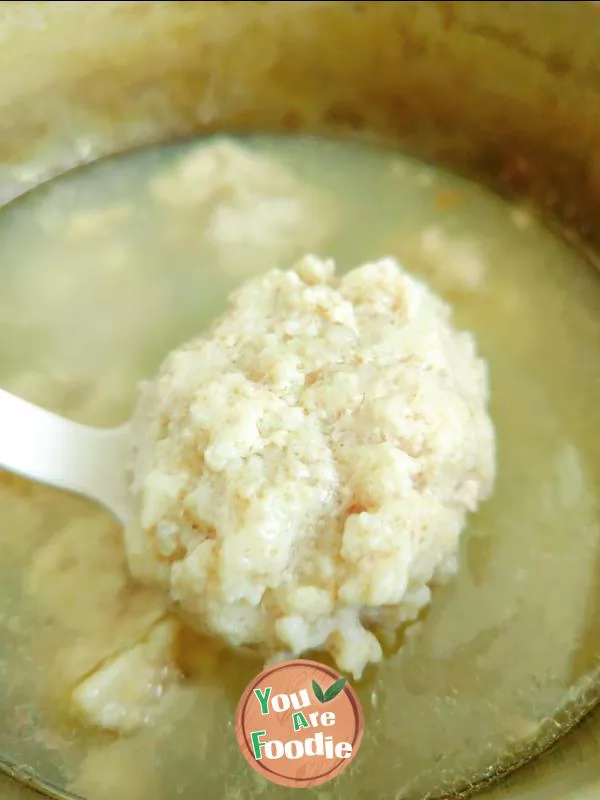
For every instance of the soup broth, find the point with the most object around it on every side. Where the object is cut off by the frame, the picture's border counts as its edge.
(103, 271)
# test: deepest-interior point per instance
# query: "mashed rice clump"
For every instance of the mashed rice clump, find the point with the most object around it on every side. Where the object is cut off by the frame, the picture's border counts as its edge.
(303, 472)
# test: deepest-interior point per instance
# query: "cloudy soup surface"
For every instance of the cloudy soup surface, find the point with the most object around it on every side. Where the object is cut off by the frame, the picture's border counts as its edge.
(106, 270)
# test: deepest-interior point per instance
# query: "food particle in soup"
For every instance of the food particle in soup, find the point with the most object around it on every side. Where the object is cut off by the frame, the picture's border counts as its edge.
(121, 694)
(250, 209)
(93, 223)
(303, 472)
(453, 265)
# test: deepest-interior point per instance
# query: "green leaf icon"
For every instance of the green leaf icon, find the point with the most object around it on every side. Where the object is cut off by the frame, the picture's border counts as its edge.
(333, 691)
(318, 692)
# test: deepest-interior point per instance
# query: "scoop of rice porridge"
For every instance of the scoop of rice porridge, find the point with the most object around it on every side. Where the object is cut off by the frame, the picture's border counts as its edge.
(303, 472)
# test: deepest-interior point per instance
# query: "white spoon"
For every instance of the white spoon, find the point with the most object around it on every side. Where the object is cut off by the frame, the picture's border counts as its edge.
(47, 448)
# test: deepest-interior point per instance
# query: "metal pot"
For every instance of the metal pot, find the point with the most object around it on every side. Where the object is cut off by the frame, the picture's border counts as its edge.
(508, 92)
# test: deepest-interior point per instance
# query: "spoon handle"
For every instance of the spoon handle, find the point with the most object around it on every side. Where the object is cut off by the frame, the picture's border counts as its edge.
(42, 446)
